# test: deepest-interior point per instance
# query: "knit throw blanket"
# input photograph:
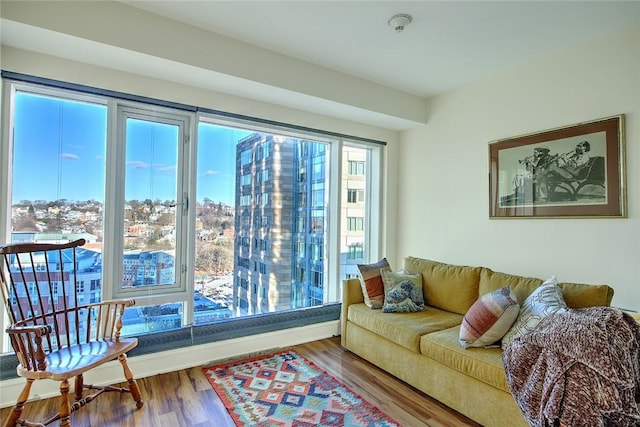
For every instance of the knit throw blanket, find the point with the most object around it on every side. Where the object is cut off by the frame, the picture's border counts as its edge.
(577, 368)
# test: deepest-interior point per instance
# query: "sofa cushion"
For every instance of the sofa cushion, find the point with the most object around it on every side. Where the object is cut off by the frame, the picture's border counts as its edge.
(483, 364)
(522, 286)
(575, 295)
(581, 296)
(489, 318)
(402, 292)
(404, 329)
(543, 302)
(449, 287)
(371, 282)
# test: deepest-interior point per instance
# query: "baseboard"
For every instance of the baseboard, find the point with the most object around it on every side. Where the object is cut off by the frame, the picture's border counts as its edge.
(174, 360)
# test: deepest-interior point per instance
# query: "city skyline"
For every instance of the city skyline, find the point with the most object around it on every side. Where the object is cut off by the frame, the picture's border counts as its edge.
(67, 139)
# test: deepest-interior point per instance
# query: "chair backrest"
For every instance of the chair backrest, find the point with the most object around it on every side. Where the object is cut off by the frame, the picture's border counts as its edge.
(597, 171)
(40, 286)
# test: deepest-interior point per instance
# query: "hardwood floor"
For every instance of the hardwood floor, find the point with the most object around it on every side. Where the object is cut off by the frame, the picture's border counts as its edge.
(185, 398)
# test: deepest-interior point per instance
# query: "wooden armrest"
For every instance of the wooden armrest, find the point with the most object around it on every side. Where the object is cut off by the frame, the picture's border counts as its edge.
(27, 344)
(37, 330)
(125, 302)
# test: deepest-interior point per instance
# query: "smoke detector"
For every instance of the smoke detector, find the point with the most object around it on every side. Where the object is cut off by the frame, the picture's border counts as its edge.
(399, 21)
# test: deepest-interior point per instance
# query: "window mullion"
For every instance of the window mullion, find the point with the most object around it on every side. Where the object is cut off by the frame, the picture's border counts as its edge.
(334, 196)
(114, 198)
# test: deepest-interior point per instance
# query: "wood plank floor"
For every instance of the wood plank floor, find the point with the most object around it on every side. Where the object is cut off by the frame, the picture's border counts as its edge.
(185, 398)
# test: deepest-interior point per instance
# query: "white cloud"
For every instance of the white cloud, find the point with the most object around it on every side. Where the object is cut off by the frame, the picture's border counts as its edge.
(137, 164)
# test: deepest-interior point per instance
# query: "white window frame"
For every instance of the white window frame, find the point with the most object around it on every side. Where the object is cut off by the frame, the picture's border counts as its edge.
(112, 273)
(112, 266)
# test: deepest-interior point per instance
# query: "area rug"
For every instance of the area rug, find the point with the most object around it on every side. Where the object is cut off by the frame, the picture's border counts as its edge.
(285, 389)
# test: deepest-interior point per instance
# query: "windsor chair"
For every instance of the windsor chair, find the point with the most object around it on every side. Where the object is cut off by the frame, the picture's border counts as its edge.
(53, 334)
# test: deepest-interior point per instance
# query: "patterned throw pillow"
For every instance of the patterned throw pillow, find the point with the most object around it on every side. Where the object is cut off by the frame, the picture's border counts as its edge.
(371, 282)
(546, 300)
(402, 292)
(489, 318)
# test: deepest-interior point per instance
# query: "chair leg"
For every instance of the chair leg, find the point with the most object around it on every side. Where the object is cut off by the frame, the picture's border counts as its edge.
(65, 407)
(78, 388)
(17, 410)
(133, 385)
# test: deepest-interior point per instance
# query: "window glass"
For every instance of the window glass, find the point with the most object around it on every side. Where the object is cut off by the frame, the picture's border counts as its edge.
(260, 243)
(58, 143)
(151, 194)
(354, 210)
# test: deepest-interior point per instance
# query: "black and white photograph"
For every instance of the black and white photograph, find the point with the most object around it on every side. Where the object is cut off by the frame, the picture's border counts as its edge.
(572, 171)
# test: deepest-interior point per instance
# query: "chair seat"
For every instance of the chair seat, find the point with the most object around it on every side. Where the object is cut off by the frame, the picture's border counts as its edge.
(76, 359)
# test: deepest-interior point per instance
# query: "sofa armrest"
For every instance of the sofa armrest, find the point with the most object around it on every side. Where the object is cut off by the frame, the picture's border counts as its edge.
(351, 294)
(633, 314)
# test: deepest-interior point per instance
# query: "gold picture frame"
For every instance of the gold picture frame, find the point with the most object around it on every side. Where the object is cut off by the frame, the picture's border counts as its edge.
(569, 172)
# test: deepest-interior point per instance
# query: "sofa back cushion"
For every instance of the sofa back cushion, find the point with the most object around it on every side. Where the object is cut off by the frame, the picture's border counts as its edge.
(450, 287)
(521, 286)
(576, 295)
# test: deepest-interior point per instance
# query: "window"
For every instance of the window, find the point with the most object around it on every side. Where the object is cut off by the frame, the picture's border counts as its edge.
(355, 196)
(262, 176)
(143, 212)
(355, 251)
(245, 157)
(356, 168)
(355, 224)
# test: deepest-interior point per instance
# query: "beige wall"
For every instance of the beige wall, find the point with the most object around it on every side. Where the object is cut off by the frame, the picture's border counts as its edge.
(443, 175)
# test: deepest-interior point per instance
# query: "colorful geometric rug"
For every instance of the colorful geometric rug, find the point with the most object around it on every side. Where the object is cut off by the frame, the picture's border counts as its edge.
(285, 389)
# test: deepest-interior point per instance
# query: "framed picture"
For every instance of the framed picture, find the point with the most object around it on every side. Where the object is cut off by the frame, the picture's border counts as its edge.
(573, 171)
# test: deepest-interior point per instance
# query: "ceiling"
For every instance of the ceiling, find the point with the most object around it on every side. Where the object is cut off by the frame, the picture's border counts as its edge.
(449, 43)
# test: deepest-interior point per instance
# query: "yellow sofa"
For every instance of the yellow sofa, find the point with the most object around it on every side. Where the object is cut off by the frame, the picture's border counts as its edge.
(423, 349)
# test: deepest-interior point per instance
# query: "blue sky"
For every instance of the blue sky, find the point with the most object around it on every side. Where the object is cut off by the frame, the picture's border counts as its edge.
(60, 153)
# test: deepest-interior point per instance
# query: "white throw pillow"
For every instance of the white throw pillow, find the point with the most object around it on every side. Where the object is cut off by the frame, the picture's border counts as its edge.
(546, 300)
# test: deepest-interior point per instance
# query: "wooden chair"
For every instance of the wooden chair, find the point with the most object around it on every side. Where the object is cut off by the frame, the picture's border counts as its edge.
(53, 334)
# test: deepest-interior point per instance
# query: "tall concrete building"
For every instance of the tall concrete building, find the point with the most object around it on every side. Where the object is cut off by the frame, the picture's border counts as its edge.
(281, 214)
(263, 227)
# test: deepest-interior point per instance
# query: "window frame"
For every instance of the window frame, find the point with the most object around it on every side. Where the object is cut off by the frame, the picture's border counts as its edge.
(112, 274)
(112, 264)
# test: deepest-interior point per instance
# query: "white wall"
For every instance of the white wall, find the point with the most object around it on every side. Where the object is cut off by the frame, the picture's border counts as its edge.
(443, 175)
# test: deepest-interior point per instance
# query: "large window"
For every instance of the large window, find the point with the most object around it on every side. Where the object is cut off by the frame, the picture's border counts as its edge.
(172, 215)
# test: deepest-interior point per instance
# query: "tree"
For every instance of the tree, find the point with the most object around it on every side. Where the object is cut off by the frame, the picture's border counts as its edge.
(214, 258)
(24, 223)
(165, 219)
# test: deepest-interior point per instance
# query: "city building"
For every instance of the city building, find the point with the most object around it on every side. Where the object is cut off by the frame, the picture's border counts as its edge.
(263, 224)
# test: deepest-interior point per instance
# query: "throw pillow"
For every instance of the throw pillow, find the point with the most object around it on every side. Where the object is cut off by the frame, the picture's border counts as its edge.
(489, 318)
(546, 300)
(402, 292)
(371, 282)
